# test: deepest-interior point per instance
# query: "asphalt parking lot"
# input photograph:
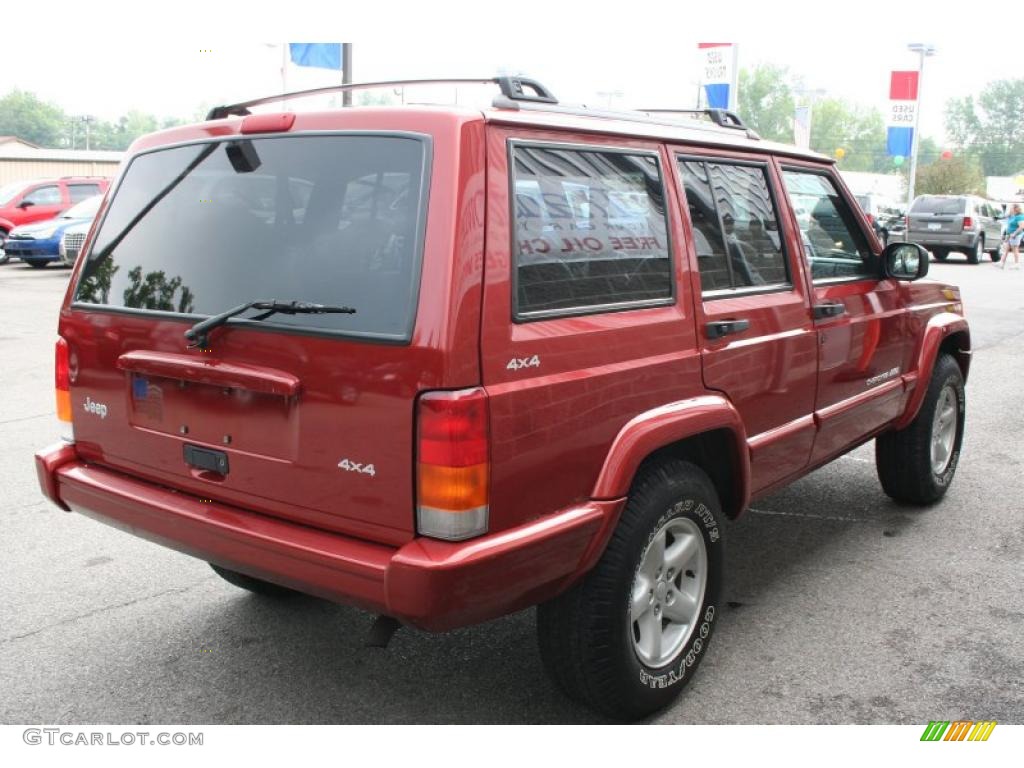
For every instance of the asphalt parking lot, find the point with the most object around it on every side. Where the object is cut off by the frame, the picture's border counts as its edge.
(842, 607)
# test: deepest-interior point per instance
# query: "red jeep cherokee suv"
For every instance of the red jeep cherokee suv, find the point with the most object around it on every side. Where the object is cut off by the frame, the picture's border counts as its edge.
(446, 364)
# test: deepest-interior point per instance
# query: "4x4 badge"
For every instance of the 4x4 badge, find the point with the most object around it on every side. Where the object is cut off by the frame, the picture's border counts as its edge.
(351, 466)
(517, 363)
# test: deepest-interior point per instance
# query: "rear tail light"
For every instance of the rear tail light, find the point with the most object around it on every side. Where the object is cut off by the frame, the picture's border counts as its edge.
(968, 222)
(453, 466)
(62, 385)
(871, 218)
(906, 222)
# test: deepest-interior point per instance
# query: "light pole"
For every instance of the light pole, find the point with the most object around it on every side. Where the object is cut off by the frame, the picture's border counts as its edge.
(922, 50)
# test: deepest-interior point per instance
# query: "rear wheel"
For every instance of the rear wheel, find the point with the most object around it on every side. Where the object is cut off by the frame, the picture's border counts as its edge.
(916, 464)
(996, 253)
(252, 584)
(36, 264)
(4, 258)
(629, 637)
(941, 254)
(974, 256)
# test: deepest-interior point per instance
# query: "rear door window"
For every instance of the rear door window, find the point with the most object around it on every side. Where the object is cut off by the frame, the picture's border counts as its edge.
(80, 192)
(590, 231)
(736, 229)
(329, 219)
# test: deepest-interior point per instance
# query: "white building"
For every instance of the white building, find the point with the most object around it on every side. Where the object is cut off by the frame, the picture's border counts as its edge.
(21, 160)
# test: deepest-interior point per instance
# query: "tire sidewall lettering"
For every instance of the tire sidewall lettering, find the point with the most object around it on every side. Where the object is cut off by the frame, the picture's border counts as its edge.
(681, 667)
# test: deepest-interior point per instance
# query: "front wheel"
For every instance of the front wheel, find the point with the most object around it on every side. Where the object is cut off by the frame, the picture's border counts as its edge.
(916, 464)
(629, 637)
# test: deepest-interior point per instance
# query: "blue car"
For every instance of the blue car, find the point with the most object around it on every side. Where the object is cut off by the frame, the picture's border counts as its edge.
(38, 244)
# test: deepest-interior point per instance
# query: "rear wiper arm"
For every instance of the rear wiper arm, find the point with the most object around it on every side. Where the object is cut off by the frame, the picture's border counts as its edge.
(198, 334)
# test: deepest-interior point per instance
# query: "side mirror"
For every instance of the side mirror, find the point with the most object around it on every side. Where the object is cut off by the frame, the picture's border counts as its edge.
(904, 261)
(25, 203)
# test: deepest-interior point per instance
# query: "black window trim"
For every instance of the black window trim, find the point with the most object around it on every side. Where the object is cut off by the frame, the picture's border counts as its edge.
(783, 167)
(591, 309)
(269, 326)
(744, 290)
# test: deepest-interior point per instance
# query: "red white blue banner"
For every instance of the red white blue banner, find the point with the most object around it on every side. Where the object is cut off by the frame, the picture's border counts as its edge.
(902, 112)
(717, 65)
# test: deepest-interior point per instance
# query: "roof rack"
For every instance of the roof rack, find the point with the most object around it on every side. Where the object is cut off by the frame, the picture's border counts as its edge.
(516, 89)
(722, 117)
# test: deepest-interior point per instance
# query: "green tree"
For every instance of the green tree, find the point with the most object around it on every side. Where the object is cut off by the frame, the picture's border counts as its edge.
(25, 116)
(859, 132)
(766, 101)
(990, 128)
(958, 175)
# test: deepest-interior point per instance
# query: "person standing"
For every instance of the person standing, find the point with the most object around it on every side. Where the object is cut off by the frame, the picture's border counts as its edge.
(1014, 234)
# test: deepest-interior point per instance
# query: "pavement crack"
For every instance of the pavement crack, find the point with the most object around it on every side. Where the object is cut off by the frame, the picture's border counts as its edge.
(26, 418)
(105, 609)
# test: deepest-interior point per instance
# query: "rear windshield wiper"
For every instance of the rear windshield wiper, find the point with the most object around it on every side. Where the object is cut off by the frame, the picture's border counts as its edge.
(198, 334)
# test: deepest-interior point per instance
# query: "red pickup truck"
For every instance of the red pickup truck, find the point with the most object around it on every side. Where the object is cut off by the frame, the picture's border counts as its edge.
(445, 364)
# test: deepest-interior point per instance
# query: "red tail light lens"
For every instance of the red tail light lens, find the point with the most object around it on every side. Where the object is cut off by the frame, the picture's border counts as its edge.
(871, 218)
(453, 467)
(62, 385)
(968, 222)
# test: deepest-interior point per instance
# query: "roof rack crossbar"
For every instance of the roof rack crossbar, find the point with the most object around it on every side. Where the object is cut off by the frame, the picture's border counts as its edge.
(514, 88)
(722, 117)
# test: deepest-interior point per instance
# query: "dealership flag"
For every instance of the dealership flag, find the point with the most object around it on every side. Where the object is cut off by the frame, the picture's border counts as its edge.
(717, 73)
(322, 55)
(902, 108)
(802, 127)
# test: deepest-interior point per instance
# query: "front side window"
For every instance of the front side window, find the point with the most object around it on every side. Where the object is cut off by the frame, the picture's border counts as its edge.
(43, 196)
(332, 219)
(589, 230)
(833, 242)
(735, 227)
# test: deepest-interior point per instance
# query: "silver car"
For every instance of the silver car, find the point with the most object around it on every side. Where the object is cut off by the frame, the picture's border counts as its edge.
(965, 223)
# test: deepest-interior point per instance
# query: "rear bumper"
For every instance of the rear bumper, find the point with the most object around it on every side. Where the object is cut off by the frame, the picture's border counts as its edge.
(432, 584)
(931, 239)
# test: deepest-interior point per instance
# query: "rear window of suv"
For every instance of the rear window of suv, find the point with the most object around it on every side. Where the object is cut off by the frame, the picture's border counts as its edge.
(941, 205)
(200, 228)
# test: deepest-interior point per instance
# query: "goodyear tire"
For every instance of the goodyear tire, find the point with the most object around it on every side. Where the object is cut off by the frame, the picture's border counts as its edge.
(916, 464)
(627, 639)
(252, 584)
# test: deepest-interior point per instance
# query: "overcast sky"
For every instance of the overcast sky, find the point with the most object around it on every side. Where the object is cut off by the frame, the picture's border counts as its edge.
(115, 60)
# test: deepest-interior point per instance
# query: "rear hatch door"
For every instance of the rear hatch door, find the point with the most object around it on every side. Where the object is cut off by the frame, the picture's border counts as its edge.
(305, 416)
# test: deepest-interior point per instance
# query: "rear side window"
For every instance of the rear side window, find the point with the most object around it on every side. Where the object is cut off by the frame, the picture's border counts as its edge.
(940, 205)
(335, 219)
(80, 192)
(589, 230)
(735, 227)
